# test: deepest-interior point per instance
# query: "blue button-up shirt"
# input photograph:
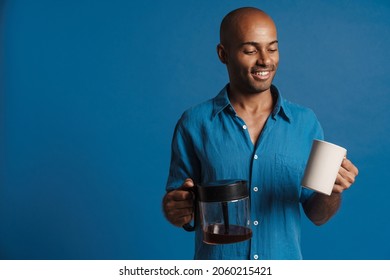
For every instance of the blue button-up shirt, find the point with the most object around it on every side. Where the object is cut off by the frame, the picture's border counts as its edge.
(211, 142)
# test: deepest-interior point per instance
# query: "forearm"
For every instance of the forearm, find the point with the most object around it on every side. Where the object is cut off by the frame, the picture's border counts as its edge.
(320, 207)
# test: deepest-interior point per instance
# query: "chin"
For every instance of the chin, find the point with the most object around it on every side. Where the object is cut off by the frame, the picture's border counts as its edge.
(253, 87)
(260, 88)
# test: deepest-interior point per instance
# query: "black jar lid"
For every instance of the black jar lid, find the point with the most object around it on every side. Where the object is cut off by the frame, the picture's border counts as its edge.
(223, 190)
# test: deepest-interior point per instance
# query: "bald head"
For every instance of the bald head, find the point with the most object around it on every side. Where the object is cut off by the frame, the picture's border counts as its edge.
(237, 20)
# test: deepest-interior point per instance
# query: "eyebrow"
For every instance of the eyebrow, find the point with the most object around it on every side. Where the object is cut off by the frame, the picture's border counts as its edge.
(253, 43)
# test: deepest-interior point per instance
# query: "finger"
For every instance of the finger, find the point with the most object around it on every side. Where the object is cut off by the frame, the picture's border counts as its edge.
(180, 221)
(178, 213)
(173, 209)
(172, 204)
(188, 183)
(342, 182)
(337, 189)
(348, 165)
(179, 195)
(347, 175)
(181, 217)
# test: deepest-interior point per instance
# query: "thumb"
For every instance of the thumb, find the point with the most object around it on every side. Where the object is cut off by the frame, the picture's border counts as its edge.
(188, 183)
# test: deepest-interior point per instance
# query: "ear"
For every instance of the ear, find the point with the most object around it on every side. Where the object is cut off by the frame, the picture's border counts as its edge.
(222, 54)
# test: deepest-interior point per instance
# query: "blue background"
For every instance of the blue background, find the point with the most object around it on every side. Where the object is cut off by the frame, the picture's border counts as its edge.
(91, 91)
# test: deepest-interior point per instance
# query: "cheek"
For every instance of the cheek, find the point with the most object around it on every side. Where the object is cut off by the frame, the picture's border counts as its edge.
(276, 60)
(238, 67)
(244, 61)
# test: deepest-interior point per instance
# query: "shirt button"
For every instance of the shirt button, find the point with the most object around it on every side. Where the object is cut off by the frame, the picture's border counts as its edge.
(255, 257)
(255, 189)
(255, 223)
(244, 126)
(255, 157)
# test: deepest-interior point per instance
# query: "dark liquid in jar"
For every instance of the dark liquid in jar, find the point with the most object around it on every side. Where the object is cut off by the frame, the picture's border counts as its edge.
(216, 234)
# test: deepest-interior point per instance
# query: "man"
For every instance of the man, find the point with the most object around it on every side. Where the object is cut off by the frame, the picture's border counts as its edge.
(249, 131)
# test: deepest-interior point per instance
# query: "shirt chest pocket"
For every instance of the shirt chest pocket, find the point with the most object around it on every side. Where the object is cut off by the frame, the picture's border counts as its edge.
(286, 182)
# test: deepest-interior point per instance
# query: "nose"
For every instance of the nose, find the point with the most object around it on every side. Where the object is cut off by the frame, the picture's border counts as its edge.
(263, 58)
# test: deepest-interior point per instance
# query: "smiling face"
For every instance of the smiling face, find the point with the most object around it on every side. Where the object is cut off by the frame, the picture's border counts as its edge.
(249, 48)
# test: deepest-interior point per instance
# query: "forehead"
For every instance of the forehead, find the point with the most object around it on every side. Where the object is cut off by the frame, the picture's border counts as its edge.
(252, 28)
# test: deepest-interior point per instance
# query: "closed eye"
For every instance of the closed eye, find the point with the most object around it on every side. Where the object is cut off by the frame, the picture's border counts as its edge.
(250, 51)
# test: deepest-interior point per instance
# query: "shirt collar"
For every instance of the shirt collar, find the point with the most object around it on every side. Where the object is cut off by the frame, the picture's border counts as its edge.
(221, 101)
(281, 107)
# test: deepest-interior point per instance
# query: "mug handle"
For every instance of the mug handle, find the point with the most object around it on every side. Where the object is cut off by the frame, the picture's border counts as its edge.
(188, 226)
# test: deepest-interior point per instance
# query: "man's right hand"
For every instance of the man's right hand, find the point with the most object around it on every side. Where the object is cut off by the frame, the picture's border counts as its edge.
(178, 205)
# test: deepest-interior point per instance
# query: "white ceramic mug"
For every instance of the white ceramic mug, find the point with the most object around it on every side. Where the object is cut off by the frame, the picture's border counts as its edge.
(322, 166)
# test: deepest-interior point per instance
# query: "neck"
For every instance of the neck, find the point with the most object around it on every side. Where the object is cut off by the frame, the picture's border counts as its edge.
(253, 103)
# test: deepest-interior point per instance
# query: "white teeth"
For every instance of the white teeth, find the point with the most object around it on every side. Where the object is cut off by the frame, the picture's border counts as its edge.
(262, 73)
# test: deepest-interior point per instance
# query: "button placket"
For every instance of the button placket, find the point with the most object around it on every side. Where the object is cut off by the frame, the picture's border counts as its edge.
(255, 199)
